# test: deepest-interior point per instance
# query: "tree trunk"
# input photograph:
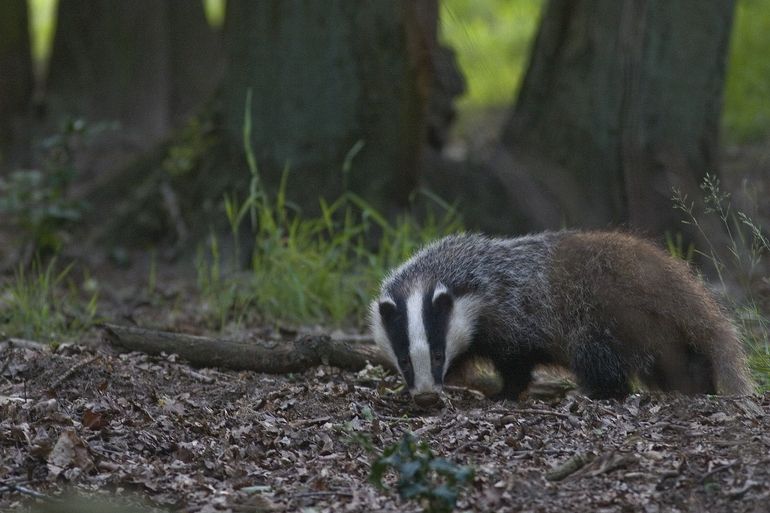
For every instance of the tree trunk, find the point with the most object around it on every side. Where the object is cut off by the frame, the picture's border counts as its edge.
(16, 81)
(621, 102)
(325, 75)
(145, 64)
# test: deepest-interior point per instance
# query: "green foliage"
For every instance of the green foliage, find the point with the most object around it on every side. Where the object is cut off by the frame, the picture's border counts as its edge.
(32, 304)
(226, 297)
(492, 40)
(215, 12)
(42, 14)
(676, 248)
(192, 143)
(747, 111)
(747, 247)
(37, 201)
(432, 481)
(310, 269)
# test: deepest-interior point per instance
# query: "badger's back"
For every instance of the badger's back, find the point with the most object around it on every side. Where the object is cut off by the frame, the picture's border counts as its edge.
(669, 327)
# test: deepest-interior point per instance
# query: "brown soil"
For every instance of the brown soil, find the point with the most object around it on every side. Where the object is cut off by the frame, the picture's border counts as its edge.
(153, 429)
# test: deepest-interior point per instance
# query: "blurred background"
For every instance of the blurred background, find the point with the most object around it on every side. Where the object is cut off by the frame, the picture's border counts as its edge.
(313, 144)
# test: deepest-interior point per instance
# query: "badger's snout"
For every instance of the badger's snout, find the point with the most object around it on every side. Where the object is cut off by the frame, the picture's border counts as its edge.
(426, 399)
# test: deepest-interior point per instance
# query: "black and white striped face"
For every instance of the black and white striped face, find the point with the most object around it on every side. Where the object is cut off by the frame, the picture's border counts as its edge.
(422, 332)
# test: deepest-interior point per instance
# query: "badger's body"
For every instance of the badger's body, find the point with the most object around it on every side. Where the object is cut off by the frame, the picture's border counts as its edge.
(606, 305)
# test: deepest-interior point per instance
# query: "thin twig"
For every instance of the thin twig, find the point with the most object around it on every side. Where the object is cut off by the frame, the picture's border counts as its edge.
(75, 368)
(465, 390)
(718, 469)
(310, 422)
(11, 487)
(321, 494)
(533, 411)
(572, 465)
(195, 375)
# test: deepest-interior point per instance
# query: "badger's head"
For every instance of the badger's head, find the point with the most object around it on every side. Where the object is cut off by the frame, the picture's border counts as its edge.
(423, 330)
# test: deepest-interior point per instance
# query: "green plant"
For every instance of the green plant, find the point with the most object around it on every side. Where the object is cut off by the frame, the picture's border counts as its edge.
(676, 247)
(310, 269)
(492, 40)
(741, 264)
(33, 304)
(224, 295)
(37, 201)
(747, 112)
(190, 146)
(432, 481)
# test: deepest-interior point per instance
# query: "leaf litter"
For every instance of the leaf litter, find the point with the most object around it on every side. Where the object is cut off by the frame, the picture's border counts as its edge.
(95, 423)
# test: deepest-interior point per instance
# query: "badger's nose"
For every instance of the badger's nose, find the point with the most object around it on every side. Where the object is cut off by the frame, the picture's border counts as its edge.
(426, 399)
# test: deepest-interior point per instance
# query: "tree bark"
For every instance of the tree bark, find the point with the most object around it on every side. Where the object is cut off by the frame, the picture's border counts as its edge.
(16, 81)
(325, 75)
(145, 64)
(621, 102)
(259, 356)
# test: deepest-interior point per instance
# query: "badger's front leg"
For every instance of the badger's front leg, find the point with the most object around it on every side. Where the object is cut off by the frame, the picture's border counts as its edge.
(476, 372)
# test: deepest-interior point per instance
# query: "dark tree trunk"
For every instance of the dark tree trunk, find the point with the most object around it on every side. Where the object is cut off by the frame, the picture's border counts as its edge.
(16, 81)
(145, 64)
(195, 58)
(620, 103)
(324, 75)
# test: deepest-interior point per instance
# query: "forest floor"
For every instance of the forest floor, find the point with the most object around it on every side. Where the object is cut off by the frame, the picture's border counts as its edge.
(94, 422)
(162, 436)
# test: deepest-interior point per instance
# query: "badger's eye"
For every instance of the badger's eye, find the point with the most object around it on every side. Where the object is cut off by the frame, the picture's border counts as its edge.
(404, 362)
(436, 357)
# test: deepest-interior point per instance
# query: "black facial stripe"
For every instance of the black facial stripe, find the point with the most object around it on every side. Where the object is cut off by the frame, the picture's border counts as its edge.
(397, 330)
(436, 321)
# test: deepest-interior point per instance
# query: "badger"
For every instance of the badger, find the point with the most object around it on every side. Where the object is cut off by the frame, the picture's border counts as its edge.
(608, 306)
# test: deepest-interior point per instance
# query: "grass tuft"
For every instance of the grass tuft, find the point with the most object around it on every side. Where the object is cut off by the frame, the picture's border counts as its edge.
(39, 304)
(747, 246)
(309, 269)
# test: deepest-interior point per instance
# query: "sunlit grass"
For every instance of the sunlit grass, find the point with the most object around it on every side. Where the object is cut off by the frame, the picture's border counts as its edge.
(309, 268)
(215, 11)
(747, 248)
(42, 21)
(492, 40)
(37, 303)
(747, 92)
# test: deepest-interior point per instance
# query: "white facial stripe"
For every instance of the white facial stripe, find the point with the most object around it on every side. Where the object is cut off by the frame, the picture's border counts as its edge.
(419, 350)
(379, 333)
(440, 289)
(462, 324)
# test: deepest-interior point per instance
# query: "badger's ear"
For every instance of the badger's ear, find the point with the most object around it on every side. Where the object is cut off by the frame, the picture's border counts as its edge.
(442, 298)
(388, 309)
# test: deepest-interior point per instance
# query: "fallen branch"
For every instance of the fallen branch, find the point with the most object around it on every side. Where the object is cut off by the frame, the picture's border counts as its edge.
(271, 357)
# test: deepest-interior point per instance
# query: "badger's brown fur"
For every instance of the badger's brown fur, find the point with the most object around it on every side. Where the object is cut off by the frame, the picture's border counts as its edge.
(608, 306)
(664, 321)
